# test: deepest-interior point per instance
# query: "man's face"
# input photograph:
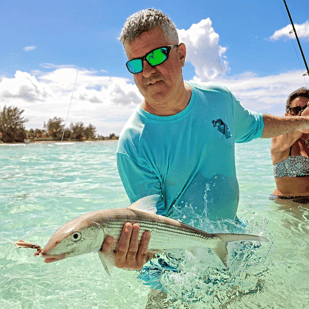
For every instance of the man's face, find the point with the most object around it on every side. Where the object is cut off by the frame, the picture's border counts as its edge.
(157, 84)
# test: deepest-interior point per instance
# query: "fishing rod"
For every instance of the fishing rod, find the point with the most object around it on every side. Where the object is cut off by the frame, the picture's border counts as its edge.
(69, 106)
(294, 30)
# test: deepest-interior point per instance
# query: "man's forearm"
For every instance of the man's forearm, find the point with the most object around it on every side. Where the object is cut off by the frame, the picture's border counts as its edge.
(275, 126)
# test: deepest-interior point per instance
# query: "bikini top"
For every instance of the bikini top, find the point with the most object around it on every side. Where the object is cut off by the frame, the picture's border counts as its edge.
(292, 166)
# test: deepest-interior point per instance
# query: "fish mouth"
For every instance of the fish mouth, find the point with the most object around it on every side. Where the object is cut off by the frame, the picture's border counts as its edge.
(52, 258)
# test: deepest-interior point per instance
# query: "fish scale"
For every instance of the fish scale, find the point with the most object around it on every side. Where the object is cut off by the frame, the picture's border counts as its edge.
(162, 237)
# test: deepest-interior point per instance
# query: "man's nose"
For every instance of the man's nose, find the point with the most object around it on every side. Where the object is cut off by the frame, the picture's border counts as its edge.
(148, 69)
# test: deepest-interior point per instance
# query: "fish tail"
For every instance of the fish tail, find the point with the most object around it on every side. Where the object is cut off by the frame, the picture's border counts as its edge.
(221, 248)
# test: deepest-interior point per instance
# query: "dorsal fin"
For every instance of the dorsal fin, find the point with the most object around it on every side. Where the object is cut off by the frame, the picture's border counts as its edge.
(147, 203)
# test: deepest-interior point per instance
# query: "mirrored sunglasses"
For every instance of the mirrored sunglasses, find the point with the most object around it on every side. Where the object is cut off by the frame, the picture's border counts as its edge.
(153, 58)
(296, 110)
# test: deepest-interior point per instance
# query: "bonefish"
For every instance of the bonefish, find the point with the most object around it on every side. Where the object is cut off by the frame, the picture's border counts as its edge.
(87, 233)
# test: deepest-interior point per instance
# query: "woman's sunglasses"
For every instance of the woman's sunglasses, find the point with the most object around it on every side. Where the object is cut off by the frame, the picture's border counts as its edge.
(296, 110)
(154, 58)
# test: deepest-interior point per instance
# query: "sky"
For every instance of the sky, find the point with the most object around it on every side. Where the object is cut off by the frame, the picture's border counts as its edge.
(49, 48)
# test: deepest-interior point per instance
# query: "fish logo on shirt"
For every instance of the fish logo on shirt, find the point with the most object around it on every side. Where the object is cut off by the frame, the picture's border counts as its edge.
(222, 127)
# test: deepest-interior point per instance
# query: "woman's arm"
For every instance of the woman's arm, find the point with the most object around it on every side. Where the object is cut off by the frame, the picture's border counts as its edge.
(280, 145)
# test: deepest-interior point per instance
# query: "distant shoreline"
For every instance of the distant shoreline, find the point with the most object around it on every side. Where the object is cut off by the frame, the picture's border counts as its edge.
(59, 142)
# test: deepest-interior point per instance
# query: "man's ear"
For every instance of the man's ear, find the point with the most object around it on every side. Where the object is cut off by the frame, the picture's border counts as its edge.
(182, 52)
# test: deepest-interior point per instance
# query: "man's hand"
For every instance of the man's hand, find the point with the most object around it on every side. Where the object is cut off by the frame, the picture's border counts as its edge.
(305, 113)
(275, 126)
(129, 253)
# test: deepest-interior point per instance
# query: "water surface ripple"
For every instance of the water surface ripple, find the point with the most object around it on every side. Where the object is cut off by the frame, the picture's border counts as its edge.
(42, 186)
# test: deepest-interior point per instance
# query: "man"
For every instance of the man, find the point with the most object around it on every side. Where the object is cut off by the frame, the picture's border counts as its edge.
(180, 142)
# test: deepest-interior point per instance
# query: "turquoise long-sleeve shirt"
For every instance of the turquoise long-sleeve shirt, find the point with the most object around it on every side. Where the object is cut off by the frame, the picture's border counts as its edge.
(188, 158)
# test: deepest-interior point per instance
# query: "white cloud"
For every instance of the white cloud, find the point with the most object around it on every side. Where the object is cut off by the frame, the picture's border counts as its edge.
(263, 94)
(23, 86)
(302, 32)
(266, 94)
(105, 102)
(29, 48)
(55, 66)
(203, 50)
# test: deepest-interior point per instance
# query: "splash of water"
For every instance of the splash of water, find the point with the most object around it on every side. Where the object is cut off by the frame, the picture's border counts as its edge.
(199, 278)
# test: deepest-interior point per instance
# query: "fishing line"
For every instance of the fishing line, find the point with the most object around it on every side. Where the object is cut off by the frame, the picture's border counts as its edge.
(293, 43)
(54, 174)
(294, 30)
(69, 106)
(299, 44)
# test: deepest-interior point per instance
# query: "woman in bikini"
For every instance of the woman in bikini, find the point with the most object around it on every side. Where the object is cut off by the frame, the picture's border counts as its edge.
(290, 153)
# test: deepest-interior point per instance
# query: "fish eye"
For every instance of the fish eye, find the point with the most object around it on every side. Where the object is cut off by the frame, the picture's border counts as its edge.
(76, 236)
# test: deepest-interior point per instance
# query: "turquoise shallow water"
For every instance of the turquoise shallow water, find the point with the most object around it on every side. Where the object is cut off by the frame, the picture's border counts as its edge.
(44, 186)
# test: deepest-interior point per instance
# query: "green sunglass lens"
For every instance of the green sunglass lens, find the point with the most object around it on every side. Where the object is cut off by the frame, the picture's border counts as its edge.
(135, 66)
(157, 56)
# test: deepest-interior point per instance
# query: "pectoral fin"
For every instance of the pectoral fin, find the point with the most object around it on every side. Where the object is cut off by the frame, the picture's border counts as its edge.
(108, 261)
(221, 251)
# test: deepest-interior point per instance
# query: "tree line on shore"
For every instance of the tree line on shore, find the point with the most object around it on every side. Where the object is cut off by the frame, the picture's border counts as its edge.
(12, 129)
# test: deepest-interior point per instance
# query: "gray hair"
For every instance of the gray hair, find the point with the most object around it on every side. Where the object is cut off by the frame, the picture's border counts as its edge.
(146, 20)
(301, 92)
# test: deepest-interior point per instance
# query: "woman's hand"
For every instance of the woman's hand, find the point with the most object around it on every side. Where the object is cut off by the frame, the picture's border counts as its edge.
(305, 112)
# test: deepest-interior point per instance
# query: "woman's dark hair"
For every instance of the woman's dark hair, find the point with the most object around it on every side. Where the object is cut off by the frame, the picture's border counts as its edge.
(301, 92)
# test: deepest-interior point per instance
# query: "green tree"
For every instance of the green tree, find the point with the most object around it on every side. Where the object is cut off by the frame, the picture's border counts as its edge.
(55, 127)
(20, 135)
(67, 134)
(101, 137)
(78, 131)
(12, 124)
(38, 132)
(31, 134)
(113, 136)
(90, 132)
